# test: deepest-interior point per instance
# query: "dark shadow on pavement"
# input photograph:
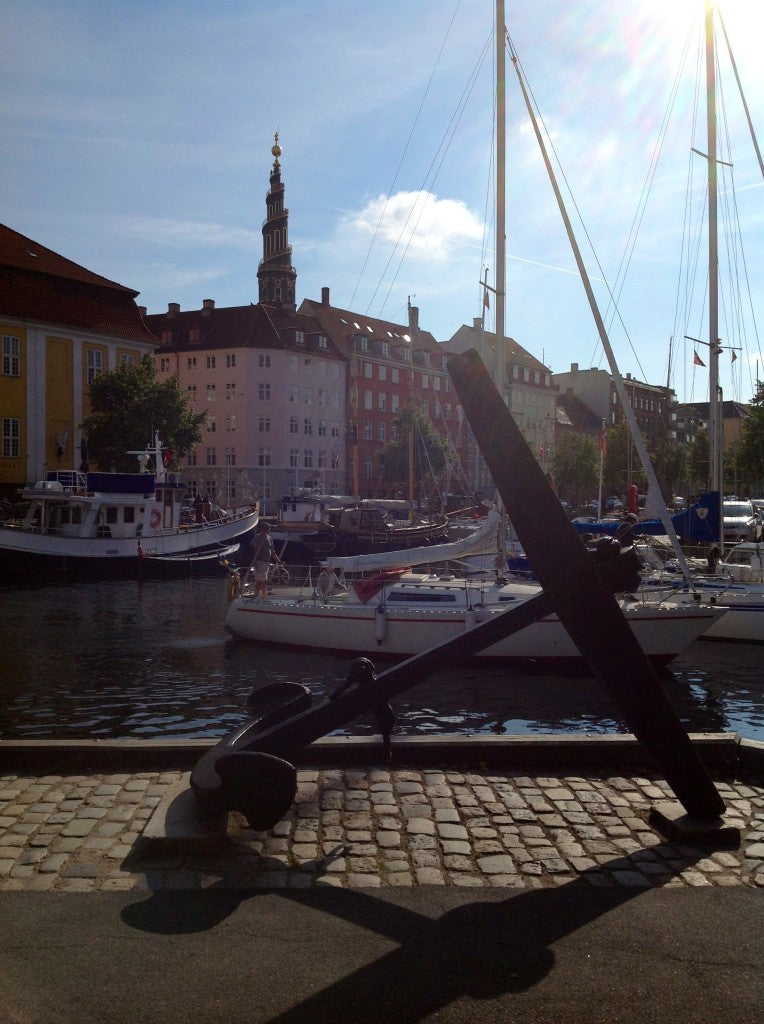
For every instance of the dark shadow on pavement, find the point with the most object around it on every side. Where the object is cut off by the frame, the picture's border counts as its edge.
(480, 949)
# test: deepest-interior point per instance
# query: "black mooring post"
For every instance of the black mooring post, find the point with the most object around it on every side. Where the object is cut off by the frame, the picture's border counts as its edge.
(589, 612)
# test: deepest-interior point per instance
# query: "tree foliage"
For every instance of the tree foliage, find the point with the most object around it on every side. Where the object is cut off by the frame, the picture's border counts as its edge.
(576, 466)
(127, 406)
(749, 450)
(431, 451)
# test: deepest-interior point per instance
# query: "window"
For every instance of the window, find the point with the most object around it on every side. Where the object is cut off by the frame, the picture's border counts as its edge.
(395, 375)
(230, 391)
(264, 359)
(264, 424)
(95, 364)
(294, 455)
(382, 401)
(230, 360)
(164, 364)
(368, 370)
(322, 342)
(299, 337)
(11, 437)
(335, 430)
(128, 359)
(191, 459)
(191, 363)
(322, 396)
(448, 410)
(230, 456)
(396, 403)
(447, 383)
(193, 335)
(367, 467)
(425, 380)
(322, 459)
(394, 432)
(210, 362)
(367, 430)
(291, 393)
(367, 400)
(436, 411)
(425, 408)
(230, 423)
(191, 389)
(382, 372)
(264, 391)
(335, 459)
(386, 349)
(211, 425)
(263, 457)
(322, 428)
(381, 431)
(308, 459)
(293, 362)
(211, 461)
(307, 426)
(294, 425)
(436, 383)
(211, 392)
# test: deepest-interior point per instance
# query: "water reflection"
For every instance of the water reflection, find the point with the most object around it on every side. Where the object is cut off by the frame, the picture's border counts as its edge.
(151, 659)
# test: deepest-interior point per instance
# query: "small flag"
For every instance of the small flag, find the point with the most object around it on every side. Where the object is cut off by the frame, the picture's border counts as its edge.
(603, 440)
(697, 360)
(734, 357)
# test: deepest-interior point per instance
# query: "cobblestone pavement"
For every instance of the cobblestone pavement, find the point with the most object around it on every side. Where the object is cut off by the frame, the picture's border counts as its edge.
(378, 827)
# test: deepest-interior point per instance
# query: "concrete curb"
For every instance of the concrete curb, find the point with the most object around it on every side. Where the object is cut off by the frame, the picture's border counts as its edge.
(720, 752)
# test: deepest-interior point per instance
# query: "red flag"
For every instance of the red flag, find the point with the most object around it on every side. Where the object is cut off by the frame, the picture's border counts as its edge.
(603, 440)
(734, 357)
(698, 361)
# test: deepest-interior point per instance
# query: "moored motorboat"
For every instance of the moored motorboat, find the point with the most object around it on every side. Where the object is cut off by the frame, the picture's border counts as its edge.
(82, 523)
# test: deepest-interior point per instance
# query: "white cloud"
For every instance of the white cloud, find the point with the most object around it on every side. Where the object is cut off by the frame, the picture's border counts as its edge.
(427, 225)
(182, 233)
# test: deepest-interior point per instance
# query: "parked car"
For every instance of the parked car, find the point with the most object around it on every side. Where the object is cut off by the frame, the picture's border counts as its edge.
(614, 505)
(739, 521)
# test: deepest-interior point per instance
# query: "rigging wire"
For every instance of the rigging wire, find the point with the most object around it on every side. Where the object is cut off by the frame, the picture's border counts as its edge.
(428, 183)
(403, 154)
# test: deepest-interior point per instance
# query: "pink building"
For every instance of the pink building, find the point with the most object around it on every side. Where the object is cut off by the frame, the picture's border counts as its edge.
(271, 380)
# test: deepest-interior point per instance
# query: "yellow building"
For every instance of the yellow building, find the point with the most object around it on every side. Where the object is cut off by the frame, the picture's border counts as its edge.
(60, 326)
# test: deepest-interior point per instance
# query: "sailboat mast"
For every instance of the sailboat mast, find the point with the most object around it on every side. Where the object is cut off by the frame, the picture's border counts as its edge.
(498, 356)
(714, 417)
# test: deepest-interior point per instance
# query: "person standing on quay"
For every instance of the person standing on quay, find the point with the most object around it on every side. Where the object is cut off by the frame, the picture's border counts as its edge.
(263, 553)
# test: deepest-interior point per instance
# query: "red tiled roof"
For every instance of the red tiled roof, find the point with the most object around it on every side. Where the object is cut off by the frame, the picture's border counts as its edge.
(252, 326)
(342, 323)
(36, 284)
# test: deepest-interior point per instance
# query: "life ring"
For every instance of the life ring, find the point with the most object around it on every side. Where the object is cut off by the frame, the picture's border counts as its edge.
(156, 519)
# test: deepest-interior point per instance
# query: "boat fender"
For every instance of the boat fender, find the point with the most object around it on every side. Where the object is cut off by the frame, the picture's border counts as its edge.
(380, 624)
(156, 519)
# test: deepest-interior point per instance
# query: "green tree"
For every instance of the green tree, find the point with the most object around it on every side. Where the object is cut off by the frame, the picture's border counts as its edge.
(750, 446)
(127, 406)
(697, 462)
(431, 451)
(669, 462)
(576, 466)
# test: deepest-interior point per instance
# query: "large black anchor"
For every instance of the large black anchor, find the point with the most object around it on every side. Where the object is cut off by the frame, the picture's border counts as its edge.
(252, 771)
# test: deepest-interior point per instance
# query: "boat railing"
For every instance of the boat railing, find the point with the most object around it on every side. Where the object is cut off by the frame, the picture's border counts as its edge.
(71, 480)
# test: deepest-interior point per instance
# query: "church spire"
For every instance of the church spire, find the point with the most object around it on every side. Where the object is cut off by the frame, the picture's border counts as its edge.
(276, 276)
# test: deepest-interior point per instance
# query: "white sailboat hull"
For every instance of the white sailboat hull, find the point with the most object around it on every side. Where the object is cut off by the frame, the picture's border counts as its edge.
(400, 629)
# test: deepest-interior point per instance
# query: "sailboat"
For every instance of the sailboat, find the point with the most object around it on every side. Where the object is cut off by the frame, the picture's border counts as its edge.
(743, 601)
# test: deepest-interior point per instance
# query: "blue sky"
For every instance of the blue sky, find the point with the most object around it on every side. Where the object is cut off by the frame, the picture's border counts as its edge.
(137, 142)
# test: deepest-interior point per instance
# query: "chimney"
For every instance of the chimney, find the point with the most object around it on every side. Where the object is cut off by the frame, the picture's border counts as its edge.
(413, 318)
(477, 323)
(142, 310)
(325, 297)
(173, 308)
(207, 306)
(574, 367)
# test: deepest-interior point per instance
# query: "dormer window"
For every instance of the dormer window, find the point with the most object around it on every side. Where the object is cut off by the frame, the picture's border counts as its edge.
(321, 341)
(299, 337)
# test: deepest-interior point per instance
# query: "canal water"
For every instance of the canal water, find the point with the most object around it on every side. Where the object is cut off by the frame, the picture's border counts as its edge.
(151, 659)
